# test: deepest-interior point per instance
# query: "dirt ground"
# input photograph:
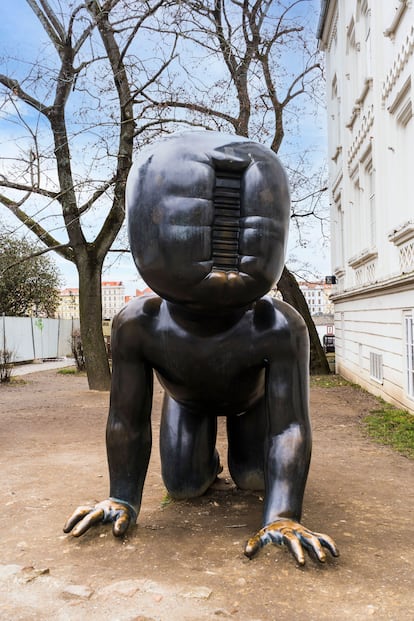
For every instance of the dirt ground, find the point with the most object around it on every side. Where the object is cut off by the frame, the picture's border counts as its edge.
(184, 561)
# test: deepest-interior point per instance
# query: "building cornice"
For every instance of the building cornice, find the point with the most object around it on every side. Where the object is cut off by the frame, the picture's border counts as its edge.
(327, 24)
(395, 285)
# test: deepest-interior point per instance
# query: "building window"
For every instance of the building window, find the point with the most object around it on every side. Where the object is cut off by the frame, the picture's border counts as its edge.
(364, 17)
(375, 367)
(409, 351)
(336, 114)
(339, 232)
(353, 69)
(407, 257)
(370, 186)
(355, 223)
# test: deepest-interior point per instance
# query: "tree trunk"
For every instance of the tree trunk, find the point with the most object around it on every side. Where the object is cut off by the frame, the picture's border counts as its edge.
(292, 294)
(90, 312)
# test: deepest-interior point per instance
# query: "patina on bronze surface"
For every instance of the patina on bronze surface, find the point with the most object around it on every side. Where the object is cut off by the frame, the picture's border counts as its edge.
(208, 218)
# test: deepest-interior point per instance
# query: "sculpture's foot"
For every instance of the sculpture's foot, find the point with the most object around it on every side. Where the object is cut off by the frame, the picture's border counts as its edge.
(296, 537)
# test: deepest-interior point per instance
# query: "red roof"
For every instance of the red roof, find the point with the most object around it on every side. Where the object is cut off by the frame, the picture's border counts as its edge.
(138, 292)
(69, 291)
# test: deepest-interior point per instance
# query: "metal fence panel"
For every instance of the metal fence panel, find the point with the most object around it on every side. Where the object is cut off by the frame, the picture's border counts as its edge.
(66, 327)
(18, 338)
(31, 338)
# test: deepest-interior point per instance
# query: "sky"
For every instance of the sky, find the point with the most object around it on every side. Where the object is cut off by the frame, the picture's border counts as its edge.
(20, 36)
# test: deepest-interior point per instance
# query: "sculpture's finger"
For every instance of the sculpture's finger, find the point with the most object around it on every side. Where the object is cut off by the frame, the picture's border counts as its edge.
(258, 540)
(328, 543)
(253, 545)
(312, 543)
(76, 517)
(89, 520)
(293, 543)
(121, 524)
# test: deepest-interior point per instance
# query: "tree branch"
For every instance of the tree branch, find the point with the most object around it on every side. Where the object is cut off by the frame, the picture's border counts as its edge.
(304, 198)
(36, 228)
(24, 188)
(96, 195)
(197, 108)
(290, 95)
(49, 21)
(16, 89)
(138, 25)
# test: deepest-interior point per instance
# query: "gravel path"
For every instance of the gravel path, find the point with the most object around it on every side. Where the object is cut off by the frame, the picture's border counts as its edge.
(184, 561)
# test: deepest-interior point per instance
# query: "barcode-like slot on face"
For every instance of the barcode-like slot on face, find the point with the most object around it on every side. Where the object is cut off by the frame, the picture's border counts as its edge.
(226, 223)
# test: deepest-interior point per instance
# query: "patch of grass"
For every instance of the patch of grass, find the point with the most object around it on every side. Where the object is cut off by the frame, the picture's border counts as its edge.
(328, 381)
(166, 500)
(391, 426)
(71, 371)
(14, 381)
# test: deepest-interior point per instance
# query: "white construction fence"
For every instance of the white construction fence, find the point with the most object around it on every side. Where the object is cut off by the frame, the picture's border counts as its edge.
(36, 338)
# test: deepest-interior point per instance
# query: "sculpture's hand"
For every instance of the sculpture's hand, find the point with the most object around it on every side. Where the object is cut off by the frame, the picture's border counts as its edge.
(120, 513)
(295, 536)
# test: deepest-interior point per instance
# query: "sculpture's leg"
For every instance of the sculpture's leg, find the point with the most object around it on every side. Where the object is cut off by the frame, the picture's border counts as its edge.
(189, 460)
(246, 437)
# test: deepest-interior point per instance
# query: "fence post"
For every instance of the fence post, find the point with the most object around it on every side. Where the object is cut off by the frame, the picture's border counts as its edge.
(4, 331)
(58, 339)
(33, 340)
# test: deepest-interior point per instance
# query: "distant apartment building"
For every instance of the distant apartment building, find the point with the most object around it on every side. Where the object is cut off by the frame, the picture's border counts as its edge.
(317, 297)
(369, 52)
(69, 304)
(113, 298)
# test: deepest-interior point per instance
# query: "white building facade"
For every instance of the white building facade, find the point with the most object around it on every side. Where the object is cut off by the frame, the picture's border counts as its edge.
(113, 298)
(369, 50)
(68, 304)
(317, 296)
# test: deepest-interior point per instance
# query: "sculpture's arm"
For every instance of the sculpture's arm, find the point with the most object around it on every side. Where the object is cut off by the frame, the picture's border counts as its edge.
(128, 440)
(288, 450)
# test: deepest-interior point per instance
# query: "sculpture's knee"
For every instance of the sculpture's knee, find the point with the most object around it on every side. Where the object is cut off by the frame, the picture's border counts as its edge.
(190, 482)
(248, 479)
(181, 488)
(183, 492)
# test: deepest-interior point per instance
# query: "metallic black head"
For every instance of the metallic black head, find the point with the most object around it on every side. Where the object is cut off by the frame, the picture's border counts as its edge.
(208, 217)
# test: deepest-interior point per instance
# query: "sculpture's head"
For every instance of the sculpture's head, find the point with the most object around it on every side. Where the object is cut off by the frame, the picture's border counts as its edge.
(208, 218)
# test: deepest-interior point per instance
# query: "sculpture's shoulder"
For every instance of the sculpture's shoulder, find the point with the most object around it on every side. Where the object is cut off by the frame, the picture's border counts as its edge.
(273, 314)
(138, 313)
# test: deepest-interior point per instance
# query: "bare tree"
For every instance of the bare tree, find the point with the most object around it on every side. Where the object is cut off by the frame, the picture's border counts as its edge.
(77, 108)
(114, 74)
(253, 68)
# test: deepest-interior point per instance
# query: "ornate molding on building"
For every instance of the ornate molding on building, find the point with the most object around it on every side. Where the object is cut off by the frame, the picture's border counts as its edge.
(402, 233)
(359, 102)
(403, 238)
(392, 29)
(337, 153)
(363, 257)
(334, 31)
(366, 122)
(406, 51)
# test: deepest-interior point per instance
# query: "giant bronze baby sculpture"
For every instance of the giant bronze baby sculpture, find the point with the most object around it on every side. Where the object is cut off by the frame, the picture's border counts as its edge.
(208, 219)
